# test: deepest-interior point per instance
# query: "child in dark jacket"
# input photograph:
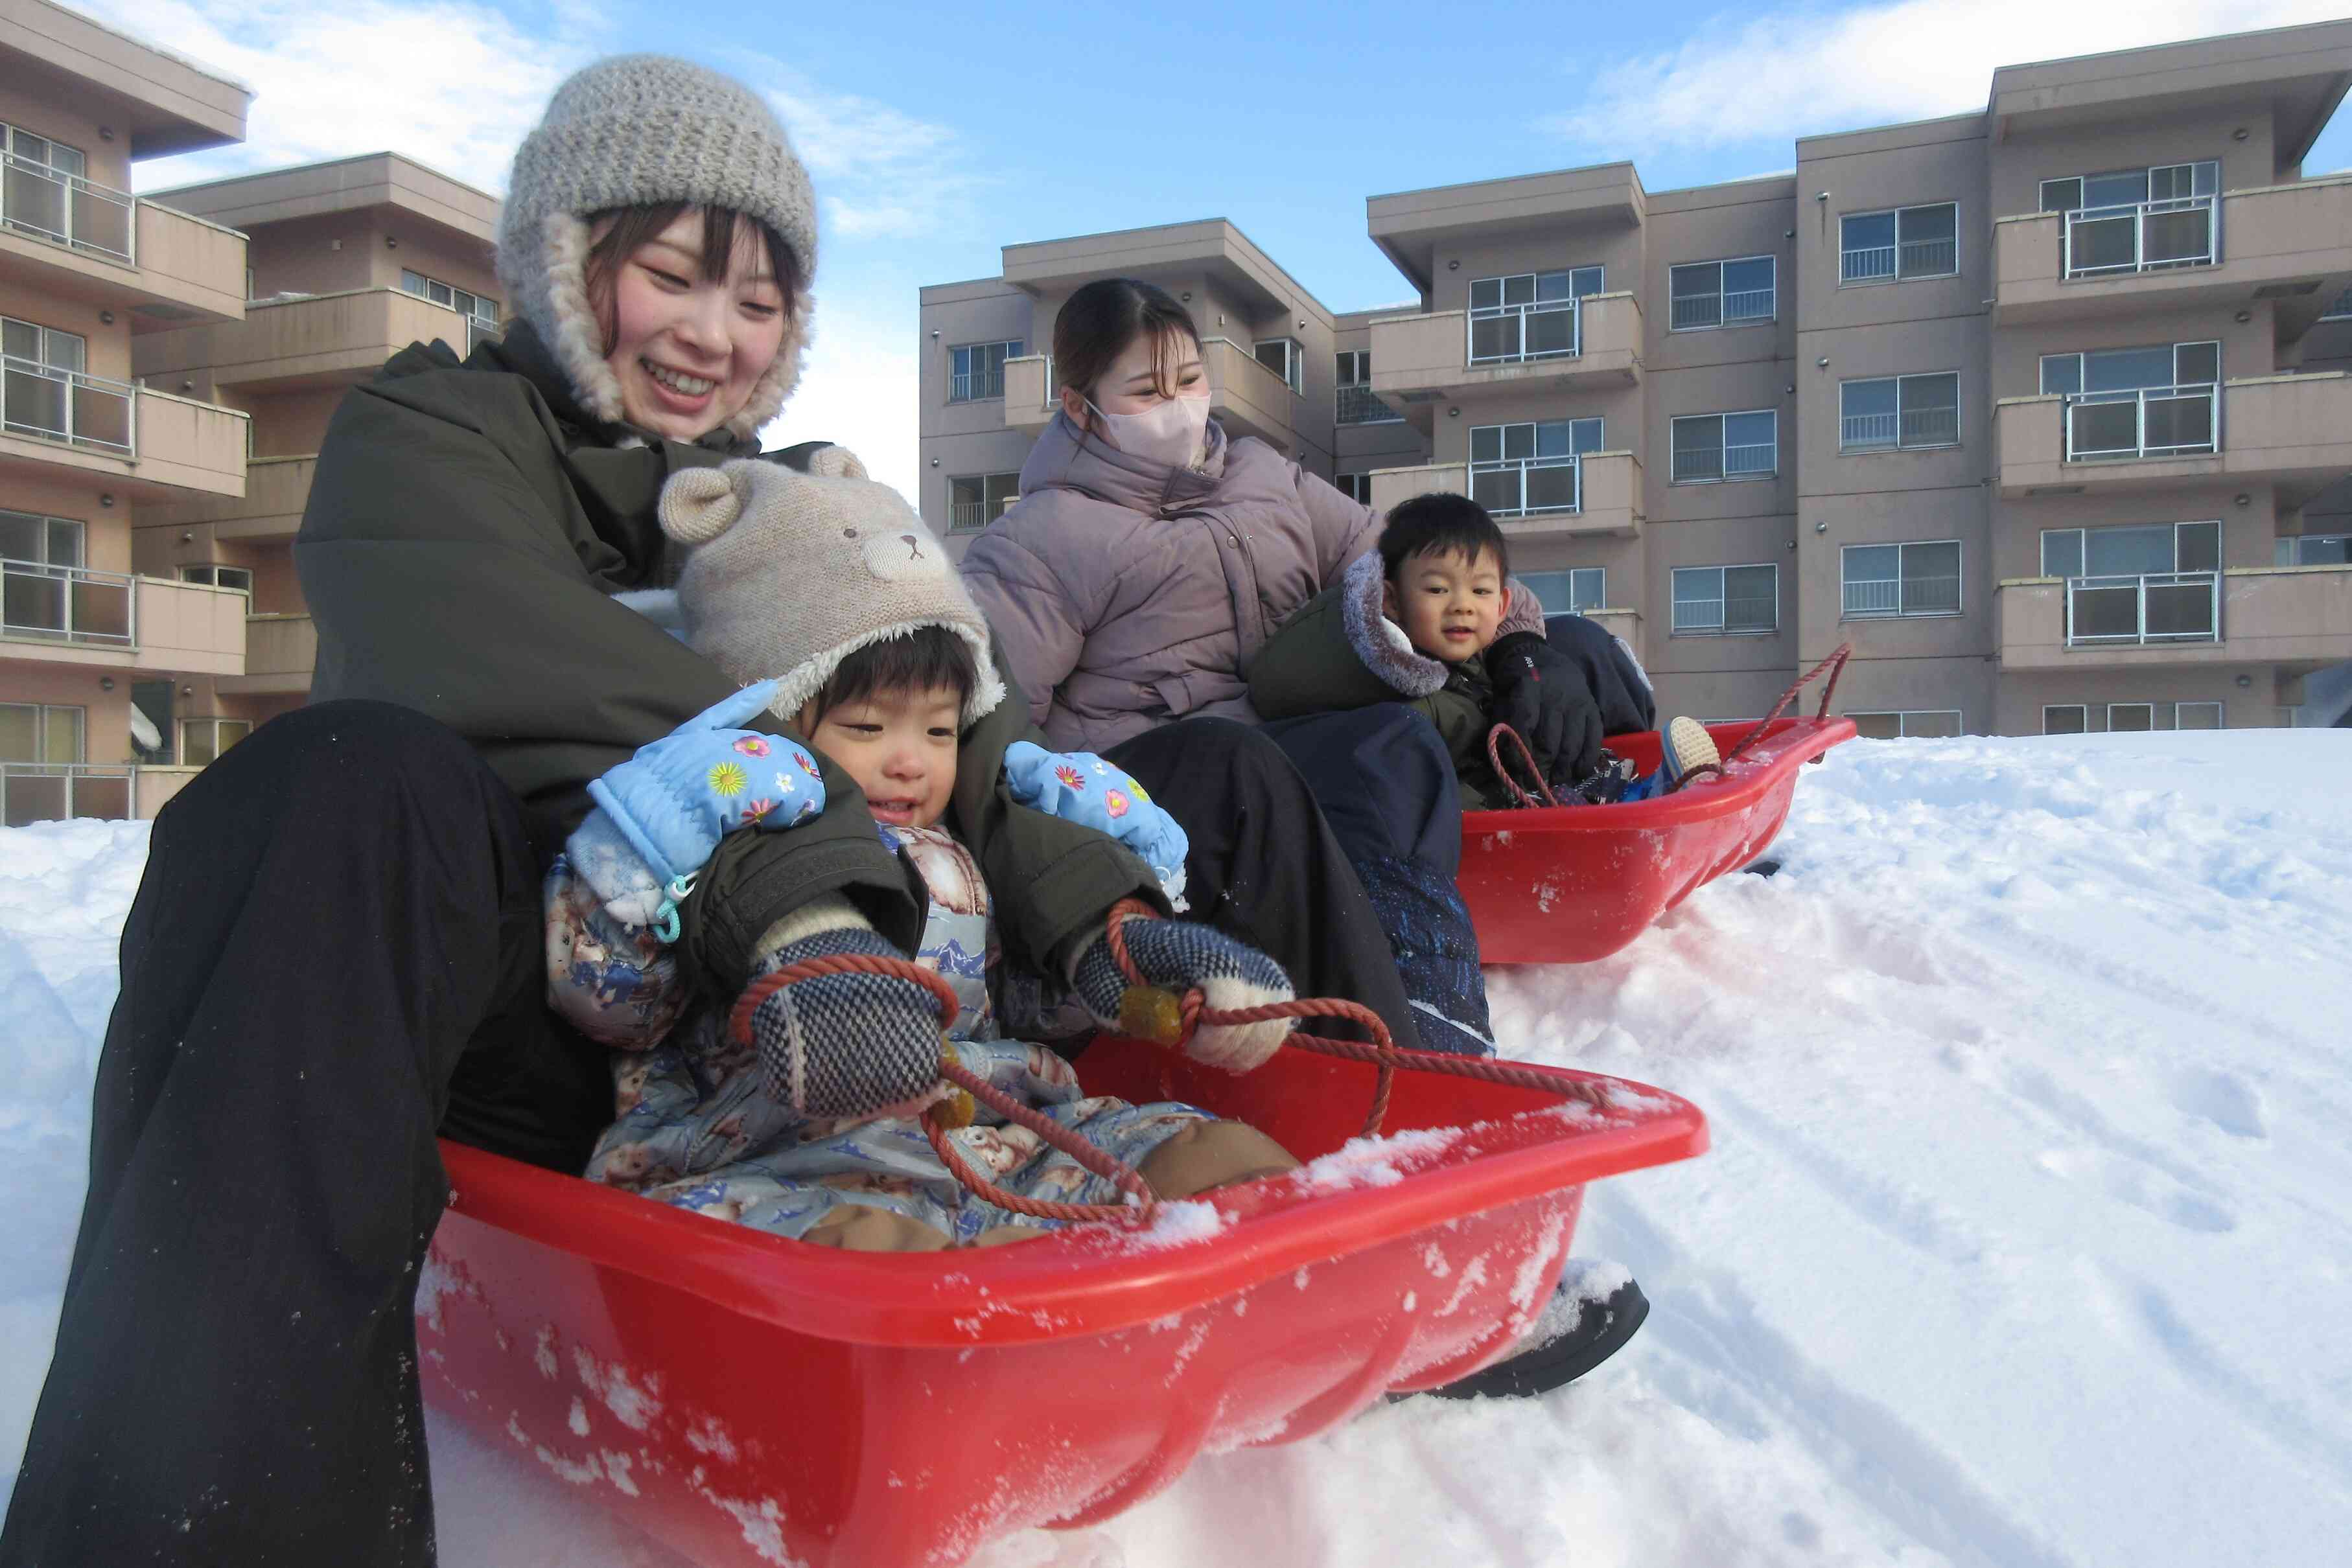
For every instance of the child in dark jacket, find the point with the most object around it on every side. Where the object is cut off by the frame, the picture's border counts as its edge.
(1411, 622)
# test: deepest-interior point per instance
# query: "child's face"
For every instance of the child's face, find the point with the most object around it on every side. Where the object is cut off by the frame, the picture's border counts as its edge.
(1450, 606)
(901, 747)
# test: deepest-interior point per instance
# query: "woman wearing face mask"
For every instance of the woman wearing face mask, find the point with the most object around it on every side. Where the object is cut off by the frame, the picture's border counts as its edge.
(337, 951)
(1148, 559)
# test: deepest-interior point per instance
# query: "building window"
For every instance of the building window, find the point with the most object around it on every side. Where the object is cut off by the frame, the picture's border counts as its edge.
(1520, 469)
(40, 733)
(1901, 580)
(2136, 220)
(2314, 549)
(1356, 404)
(1908, 723)
(2148, 583)
(202, 740)
(2196, 716)
(1721, 293)
(1284, 358)
(1579, 590)
(46, 390)
(1712, 446)
(1899, 243)
(1906, 411)
(2065, 718)
(39, 594)
(979, 499)
(2341, 310)
(44, 194)
(473, 307)
(2130, 719)
(976, 371)
(234, 577)
(1727, 598)
(2134, 550)
(1527, 315)
(2162, 401)
(1357, 488)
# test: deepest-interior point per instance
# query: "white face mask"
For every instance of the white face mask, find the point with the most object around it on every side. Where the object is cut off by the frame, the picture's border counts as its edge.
(1173, 433)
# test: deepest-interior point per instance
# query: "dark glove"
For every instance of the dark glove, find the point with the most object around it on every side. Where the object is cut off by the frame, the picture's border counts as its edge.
(1181, 955)
(1541, 693)
(847, 1045)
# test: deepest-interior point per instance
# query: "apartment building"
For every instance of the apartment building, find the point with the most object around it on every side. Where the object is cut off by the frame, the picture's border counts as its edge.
(2043, 408)
(348, 262)
(89, 640)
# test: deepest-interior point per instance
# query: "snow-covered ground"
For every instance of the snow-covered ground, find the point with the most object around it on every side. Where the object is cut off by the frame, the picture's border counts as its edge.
(2026, 1238)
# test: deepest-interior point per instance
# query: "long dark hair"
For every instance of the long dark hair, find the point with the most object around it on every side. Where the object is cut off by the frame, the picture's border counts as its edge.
(633, 226)
(1102, 318)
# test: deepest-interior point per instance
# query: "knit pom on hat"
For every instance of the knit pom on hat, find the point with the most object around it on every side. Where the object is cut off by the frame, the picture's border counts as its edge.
(793, 572)
(642, 131)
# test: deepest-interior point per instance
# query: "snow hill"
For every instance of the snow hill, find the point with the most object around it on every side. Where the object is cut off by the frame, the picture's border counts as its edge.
(2026, 1238)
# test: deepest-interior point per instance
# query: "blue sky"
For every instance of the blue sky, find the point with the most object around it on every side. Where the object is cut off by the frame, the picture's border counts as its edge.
(937, 133)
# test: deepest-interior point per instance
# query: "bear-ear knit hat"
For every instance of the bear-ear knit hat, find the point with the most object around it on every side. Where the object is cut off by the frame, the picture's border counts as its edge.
(638, 131)
(791, 573)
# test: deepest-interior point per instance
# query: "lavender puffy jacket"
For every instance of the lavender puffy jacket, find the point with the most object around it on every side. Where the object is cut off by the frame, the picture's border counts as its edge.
(1125, 593)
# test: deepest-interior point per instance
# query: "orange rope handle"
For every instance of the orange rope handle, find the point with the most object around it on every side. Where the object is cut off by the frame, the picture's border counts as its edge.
(1126, 1177)
(1835, 664)
(1383, 1052)
(1494, 755)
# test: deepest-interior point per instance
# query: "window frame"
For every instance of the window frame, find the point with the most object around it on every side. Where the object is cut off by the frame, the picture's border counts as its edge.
(1293, 370)
(1722, 321)
(2083, 721)
(2114, 707)
(1675, 628)
(1007, 349)
(1572, 305)
(2220, 713)
(428, 283)
(1899, 273)
(2287, 552)
(1722, 476)
(42, 713)
(214, 721)
(216, 567)
(46, 523)
(2340, 310)
(1849, 449)
(1901, 580)
(1000, 504)
(1573, 459)
(2083, 549)
(1903, 717)
(1352, 374)
(1349, 484)
(1531, 581)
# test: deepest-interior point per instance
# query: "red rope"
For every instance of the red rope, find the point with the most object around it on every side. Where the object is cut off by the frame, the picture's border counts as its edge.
(1835, 664)
(1494, 755)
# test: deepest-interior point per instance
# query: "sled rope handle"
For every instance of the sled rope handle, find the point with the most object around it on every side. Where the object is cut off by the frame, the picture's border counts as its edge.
(1835, 664)
(1494, 755)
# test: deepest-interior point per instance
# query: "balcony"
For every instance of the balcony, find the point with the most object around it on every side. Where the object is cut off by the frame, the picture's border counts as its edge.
(107, 247)
(1595, 495)
(56, 791)
(280, 651)
(2294, 432)
(56, 614)
(1594, 343)
(159, 446)
(1030, 393)
(1360, 405)
(325, 339)
(2285, 243)
(2276, 615)
(275, 490)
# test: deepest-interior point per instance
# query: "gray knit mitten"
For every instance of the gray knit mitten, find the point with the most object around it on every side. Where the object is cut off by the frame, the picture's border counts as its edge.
(1182, 955)
(847, 1045)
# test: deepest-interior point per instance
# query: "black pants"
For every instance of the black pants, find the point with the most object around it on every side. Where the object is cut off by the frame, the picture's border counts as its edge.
(1265, 867)
(1385, 783)
(335, 953)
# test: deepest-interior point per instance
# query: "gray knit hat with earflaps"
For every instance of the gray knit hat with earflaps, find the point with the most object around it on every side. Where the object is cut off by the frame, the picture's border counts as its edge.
(638, 131)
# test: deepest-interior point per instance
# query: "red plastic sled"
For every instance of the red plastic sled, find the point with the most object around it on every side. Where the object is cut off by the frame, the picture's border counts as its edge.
(755, 1401)
(1567, 884)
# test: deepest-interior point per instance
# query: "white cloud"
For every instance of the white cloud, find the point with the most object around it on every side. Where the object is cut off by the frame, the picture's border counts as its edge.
(1802, 70)
(859, 388)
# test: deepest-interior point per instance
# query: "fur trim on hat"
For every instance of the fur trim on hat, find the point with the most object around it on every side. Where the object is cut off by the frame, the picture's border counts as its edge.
(1379, 642)
(805, 680)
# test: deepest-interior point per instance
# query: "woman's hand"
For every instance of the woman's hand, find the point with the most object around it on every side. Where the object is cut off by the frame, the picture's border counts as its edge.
(676, 797)
(1541, 693)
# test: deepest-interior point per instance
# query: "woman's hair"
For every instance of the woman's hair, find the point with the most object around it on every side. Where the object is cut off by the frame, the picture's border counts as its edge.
(633, 226)
(1100, 320)
(1442, 524)
(927, 659)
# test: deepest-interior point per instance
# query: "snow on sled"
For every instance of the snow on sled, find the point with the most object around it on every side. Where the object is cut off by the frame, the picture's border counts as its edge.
(750, 1400)
(1567, 884)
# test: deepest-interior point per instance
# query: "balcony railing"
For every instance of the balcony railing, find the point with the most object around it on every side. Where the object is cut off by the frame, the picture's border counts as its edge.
(970, 516)
(974, 385)
(1903, 596)
(55, 791)
(67, 210)
(2156, 607)
(67, 605)
(2142, 236)
(53, 404)
(1507, 334)
(1748, 460)
(1532, 486)
(1736, 309)
(1358, 406)
(1912, 427)
(1912, 259)
(2148, 422)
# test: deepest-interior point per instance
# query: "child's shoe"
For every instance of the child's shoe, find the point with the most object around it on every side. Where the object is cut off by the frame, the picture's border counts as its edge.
(1686, 748)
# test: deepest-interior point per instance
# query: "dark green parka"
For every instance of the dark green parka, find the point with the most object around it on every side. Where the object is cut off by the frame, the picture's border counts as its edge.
(1340, 652)
(466, 529)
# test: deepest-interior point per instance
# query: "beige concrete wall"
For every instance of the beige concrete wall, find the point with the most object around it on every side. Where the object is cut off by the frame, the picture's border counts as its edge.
(1893, 684)
(1892, 518)
(22, 296)
(1900, 166)
(44, 107)
(2247, 348)
(2176, 135)
(420, 245)
(1717, 389)
(324, 255)
(51, 491)
(1920, 347)
(2019, 697)
(1614, 246)
(190, 626)
(1717, 222)
(106, 716)
(2247, 531)
(2300, 616)
(292, 422)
